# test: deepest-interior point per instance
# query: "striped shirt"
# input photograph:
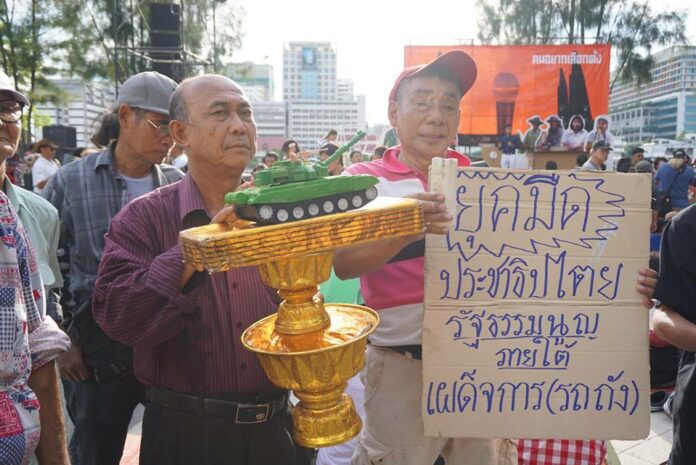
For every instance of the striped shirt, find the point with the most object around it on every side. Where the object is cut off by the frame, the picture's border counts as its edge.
(396, 290)
(190, 340)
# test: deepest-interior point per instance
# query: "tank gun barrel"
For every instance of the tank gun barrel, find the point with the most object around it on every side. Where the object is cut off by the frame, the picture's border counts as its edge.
(343, 149)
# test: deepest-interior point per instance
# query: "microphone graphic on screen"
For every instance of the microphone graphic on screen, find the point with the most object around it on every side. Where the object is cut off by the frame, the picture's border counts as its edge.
(505, 88)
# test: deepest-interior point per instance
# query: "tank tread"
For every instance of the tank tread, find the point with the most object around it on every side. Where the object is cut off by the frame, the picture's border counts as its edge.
(277, 213)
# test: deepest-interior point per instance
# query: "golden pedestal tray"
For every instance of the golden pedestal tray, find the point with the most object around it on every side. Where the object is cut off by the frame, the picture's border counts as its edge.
(307, 346)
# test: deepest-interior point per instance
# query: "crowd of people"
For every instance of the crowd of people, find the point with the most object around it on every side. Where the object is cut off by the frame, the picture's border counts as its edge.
(94, 283)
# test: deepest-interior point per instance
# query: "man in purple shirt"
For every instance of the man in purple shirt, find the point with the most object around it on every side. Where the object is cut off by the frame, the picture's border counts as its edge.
(209, 401)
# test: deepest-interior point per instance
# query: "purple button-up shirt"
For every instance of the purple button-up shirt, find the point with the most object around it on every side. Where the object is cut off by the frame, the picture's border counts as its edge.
(189, 340)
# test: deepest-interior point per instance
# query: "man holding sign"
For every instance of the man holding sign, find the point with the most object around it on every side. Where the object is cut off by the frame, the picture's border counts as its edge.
(424, 109)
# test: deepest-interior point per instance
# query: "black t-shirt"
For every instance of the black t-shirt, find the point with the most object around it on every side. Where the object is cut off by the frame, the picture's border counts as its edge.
(676, 288)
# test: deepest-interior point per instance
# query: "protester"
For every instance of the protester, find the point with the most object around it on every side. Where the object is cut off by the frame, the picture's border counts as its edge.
(177, 158)
(600, 132)
(331, 136)
(102, 390)
(335, 167)
(270, 159)
(379, 152)
(508, 144)
(598, 156)
(659, 161)
(356, 156)
(209, 401)
(424, 107)
(45, 341)
(673, 180)
(289, 149)
(46, 164)
(637, 155)
(674, 321)
(624, 165)
(581, 159)
(574, 137)
(29, 343)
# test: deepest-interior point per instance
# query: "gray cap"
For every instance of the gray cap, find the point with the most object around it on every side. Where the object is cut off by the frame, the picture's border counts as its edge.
(644, 166)
(149, 91)
(7, 86)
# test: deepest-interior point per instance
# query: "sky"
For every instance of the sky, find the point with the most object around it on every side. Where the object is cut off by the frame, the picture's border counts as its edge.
(369, 36)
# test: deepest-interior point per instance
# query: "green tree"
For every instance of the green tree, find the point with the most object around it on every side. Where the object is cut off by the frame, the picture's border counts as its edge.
(631, 26)
(109, 38)
(25, 29)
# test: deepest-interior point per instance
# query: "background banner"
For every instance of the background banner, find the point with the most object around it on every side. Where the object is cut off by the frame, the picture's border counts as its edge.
(517, 82)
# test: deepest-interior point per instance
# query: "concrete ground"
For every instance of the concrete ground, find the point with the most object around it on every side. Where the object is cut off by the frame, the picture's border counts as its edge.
(650, 451)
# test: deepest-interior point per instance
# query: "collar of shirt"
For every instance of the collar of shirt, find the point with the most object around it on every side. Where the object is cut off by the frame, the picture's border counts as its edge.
(15, 200)
(192, 211)
(105, 159)
(392, 162)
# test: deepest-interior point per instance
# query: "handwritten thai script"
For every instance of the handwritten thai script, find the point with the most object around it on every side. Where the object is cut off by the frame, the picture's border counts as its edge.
(517, 277)
(523, 207)
(552, 396)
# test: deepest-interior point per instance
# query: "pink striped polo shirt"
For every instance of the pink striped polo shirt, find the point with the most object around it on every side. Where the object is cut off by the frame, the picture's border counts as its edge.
(396, 290)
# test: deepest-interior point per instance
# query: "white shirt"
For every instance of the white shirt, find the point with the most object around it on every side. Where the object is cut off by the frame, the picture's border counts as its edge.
(573, 139)
(138, 186)
(42, 170)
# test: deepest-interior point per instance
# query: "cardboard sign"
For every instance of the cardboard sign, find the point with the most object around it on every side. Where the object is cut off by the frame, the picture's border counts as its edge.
(533, 327)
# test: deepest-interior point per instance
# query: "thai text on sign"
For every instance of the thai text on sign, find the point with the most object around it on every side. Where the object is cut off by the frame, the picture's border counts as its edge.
(533, 327)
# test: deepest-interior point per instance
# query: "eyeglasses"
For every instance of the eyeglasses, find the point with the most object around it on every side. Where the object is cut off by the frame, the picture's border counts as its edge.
(11, 111)
(162, 129)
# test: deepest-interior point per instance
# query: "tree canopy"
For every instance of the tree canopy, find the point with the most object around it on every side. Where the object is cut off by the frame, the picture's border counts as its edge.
(88, 39)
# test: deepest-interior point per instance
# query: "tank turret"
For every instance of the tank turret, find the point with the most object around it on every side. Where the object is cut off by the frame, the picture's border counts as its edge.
(294, 190)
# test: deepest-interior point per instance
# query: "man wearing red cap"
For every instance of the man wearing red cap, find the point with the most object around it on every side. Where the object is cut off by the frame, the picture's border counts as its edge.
(424, 109)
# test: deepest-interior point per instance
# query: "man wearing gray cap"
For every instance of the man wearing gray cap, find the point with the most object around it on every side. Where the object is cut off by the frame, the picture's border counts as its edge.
(88, 193)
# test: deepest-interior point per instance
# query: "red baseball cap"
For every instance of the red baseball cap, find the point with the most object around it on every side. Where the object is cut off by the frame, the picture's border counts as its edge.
(456, 61)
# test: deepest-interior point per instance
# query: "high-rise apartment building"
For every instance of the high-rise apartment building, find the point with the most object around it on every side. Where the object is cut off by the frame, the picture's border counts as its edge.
(317, 101)
(309, 71)
(664, 108)
(86, 103)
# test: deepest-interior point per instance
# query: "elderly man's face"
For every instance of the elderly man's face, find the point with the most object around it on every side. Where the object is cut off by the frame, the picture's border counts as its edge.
(426, 116)
(9, 132)
(221, 131)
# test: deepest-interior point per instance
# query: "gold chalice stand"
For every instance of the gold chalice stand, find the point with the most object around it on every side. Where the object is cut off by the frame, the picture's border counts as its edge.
(307, 346)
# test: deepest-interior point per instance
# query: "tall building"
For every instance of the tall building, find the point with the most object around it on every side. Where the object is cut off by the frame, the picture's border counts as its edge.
(271, 124)
(317, 101)
(664, 108)
(309, 71)
(255, 80)
(344, 90)
(86, 103)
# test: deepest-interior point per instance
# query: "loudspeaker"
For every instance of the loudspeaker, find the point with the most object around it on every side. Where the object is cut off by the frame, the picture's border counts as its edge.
(165, 17)
(63, 136)
(165, 33)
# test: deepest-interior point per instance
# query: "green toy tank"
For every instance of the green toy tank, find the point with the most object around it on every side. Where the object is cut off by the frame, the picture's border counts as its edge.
(296, 190)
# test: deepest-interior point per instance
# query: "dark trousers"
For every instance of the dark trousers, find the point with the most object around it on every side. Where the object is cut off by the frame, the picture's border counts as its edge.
(101, 413)
(171, 437)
